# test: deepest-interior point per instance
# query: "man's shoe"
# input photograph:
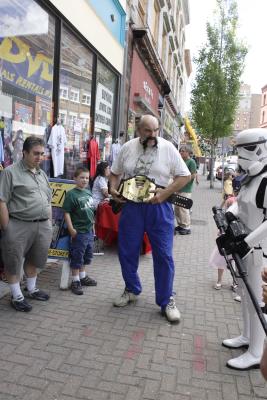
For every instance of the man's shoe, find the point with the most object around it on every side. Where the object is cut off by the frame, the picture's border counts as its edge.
(125, 298)
(76, 287)
(37, 294)
(178, 228)
(87, 281)
(184, 231)
(21, 305)
(171, 311)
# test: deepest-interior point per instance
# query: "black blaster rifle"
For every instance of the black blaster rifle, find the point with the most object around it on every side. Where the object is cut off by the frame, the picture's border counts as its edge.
(231, 242)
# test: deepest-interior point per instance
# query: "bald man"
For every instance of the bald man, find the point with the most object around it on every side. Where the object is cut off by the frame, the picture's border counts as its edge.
(157, 159)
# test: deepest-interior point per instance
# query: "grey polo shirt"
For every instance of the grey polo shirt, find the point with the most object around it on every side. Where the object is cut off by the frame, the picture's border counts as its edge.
(26, 194)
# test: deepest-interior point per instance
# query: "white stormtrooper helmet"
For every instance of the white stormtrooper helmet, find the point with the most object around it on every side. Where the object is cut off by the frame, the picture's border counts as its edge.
(252, 150)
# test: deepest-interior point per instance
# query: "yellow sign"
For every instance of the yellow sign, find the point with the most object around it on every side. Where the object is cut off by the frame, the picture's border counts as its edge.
(59, 247)
(59, 190)
(58, 253)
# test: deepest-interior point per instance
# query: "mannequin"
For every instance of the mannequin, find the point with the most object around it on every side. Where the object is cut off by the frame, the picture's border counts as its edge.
(115, 148)
(251, 209)
(17, 143)
(57, 142)
(107, 146)
(93, 155)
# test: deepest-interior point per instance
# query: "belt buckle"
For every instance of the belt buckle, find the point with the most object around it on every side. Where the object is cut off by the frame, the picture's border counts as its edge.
(137, 188)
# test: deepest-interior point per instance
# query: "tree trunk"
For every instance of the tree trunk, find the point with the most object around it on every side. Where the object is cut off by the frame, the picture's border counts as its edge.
(212, 160)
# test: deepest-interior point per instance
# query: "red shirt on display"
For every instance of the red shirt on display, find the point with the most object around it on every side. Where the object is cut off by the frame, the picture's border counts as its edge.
(93, 156)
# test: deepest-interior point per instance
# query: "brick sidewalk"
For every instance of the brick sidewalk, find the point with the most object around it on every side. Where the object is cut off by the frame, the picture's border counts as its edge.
(80, 347)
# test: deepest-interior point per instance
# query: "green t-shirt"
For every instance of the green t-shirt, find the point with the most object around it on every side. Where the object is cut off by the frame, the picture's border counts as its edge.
(80, 205)
(192, 166)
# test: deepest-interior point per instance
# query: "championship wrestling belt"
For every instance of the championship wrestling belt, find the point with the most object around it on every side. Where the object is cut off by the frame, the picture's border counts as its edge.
(138, 189)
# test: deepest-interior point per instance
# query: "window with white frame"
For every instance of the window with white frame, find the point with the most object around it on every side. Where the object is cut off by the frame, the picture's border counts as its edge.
(72, 118)
(63, 92)
(155, 12)
(86, 98)
(74, 95)
(63, 116)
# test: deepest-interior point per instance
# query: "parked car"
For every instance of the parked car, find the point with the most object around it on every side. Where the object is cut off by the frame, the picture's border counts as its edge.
(231, 167)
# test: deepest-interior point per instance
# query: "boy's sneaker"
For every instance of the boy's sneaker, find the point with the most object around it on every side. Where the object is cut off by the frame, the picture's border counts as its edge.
(125, 298)
(87, 281)
(37, 294)
(20, 304)
(171, 311)
(76, 287)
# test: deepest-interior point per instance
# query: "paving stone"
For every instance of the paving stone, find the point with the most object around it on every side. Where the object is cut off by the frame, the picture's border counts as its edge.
(81, 347)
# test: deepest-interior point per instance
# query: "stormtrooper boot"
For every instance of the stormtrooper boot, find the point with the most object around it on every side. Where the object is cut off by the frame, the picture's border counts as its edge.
(251, 358)
(241, 341)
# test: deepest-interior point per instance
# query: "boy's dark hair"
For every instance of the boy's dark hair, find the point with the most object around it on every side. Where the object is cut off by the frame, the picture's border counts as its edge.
(31, 142)
(79, 170)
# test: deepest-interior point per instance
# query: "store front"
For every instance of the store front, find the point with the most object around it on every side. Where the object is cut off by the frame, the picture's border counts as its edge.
(78, 90)
(144, 94)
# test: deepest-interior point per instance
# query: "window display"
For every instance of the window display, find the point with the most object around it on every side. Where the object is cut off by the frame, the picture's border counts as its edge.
(75, 99)
(26, 74)
(105, 108)
(27, 46)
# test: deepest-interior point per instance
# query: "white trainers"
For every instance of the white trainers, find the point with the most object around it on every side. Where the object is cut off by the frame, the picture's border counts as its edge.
(171, 311)
(125, 298)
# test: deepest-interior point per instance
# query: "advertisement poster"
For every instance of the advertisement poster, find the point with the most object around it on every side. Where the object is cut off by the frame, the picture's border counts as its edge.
(103, 108)
(59, 247)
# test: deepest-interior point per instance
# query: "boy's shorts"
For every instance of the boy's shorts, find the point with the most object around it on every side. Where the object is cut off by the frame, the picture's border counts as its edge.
(81, 250)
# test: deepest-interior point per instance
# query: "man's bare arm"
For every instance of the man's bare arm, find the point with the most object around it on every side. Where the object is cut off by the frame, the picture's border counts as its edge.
(114, 181)
(4, 215)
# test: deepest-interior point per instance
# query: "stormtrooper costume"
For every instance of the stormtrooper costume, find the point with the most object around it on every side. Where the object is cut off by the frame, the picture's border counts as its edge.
(251, 208)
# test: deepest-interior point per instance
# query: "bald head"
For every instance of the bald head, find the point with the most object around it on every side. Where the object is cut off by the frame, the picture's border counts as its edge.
(147, 119)
(148, 129)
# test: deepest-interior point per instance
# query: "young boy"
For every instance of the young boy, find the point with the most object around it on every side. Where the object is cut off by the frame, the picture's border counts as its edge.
(79, 216)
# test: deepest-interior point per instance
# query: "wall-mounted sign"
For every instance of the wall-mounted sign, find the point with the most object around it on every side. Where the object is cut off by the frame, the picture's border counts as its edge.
(168, 124)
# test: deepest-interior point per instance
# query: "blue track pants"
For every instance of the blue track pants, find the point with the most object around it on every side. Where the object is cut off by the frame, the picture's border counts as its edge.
(157, 220)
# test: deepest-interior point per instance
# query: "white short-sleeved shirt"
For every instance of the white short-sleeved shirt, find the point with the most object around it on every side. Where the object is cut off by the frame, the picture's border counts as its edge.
(159, 163)
(100, 183)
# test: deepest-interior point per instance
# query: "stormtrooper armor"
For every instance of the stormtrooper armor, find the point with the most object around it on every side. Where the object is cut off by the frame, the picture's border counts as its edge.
(251, 209)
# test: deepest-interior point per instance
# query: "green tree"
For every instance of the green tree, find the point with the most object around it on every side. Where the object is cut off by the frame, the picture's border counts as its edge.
(219, 66)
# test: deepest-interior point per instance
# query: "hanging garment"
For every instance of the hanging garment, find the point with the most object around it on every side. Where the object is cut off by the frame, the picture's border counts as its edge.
(57, 142)
(93, 156)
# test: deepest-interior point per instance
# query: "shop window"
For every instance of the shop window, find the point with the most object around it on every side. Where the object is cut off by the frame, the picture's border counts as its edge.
(76, 76)
(106, 89)
(25, 85)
